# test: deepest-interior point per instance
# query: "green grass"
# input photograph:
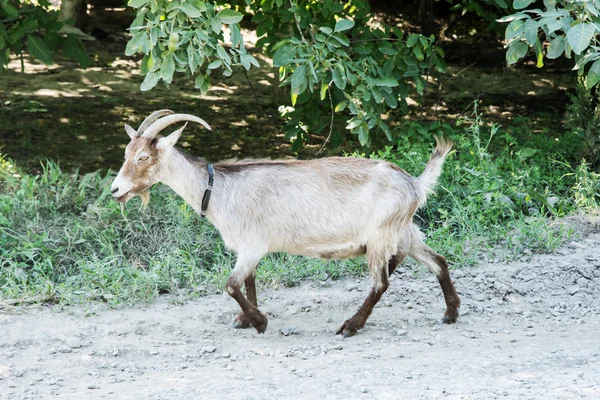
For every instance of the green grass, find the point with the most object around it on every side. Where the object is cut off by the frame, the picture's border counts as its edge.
(63, 238)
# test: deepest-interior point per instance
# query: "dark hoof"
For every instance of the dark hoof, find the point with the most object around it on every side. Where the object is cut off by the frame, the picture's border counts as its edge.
(450, 316)
(348, 328)
(260, 323)
(242, 322)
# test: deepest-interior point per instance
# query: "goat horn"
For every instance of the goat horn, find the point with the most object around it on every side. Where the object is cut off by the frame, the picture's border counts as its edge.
(162, 123)
(151, 118)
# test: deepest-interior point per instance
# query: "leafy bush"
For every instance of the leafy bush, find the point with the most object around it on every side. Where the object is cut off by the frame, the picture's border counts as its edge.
(332, 54)
(495, 190)
(36, 26)
(571, 27)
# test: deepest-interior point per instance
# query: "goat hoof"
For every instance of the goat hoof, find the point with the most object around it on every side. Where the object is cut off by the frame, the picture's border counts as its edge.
(348, 328)
(450, 316)
(242, 322)
(260, 324)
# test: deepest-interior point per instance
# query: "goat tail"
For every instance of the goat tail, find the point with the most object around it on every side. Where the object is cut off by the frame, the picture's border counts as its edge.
(433, 169)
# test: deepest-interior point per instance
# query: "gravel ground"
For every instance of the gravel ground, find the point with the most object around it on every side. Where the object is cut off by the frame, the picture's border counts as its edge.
(528, 329)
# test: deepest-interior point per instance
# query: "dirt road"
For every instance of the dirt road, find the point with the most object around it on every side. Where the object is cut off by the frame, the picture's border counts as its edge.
(528, 329)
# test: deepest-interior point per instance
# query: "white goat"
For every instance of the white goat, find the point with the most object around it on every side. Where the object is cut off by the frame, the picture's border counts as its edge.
(331, 208)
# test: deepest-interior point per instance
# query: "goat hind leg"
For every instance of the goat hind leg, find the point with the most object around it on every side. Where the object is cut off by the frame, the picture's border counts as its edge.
(438, 265)
(242, 321)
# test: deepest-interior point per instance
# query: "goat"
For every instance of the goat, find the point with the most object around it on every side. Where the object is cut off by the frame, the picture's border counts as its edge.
(329, 208)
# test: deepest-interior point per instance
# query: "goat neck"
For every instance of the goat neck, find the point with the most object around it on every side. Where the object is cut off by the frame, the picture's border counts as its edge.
(187, 176)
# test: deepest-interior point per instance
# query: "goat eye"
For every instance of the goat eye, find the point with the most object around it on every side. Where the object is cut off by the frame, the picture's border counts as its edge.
(143, 158)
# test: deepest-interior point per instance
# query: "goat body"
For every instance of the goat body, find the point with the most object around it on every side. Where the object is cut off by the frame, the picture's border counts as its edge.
(330, 208)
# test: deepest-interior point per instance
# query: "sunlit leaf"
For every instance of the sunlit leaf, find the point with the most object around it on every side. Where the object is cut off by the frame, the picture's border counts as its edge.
(229, 16)
(580, 36)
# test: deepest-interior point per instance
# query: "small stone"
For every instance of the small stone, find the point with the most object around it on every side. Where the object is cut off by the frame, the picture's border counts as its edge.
(573, 289)
(93, 387)
(337, 346)
(209, 349)
(329, 320)
(351, 286)
(457, 274)
(529, 334)
(289, 331)
(575, 245)
(401, 332)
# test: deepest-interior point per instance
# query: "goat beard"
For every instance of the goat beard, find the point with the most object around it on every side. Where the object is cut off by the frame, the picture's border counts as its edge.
(145, 197)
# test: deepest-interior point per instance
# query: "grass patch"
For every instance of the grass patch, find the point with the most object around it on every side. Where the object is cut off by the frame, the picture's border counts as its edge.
(63, 238)
(501, 191)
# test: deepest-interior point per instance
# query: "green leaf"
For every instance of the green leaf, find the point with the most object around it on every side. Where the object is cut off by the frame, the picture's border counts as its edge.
(527, 152)
(167, 68)
(245, 61)
(150, 81)
(593, 76)
(339, 76)
(514, 29)
(388, 50)
(215, 64)
(343, 25)
(38, 49)
(137, 3)
(222, 53)
(284, 55)
(10, 9)
(201, 82)
(386, 82)
(386, 130)
(190, 10)
(229, 16)
(324, 87)
(556, 47)
(580, 36)
(363, 134)
(516, 51)
(341, 38)
(353, 123)
(341, 106)
(326, 30)
(530, 29)
(136, 42)
(412, 40)
(520, 4)
(299, 80)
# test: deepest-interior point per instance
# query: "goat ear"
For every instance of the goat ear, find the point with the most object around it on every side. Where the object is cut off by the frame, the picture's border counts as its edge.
(169, 141)
(130, 131)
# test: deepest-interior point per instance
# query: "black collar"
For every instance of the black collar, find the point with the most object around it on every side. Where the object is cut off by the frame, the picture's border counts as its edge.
(206, 197)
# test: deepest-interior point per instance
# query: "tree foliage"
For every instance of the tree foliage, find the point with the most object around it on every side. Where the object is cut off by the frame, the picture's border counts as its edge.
(333, 56)
(32, 27)
(571, 28)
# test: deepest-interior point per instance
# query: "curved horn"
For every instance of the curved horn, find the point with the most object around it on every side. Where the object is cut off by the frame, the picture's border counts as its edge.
(151, 118)
(162, 123)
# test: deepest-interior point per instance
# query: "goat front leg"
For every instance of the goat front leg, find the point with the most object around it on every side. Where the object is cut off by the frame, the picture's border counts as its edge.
(381, 282)
(242, 321)
(244, 271)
